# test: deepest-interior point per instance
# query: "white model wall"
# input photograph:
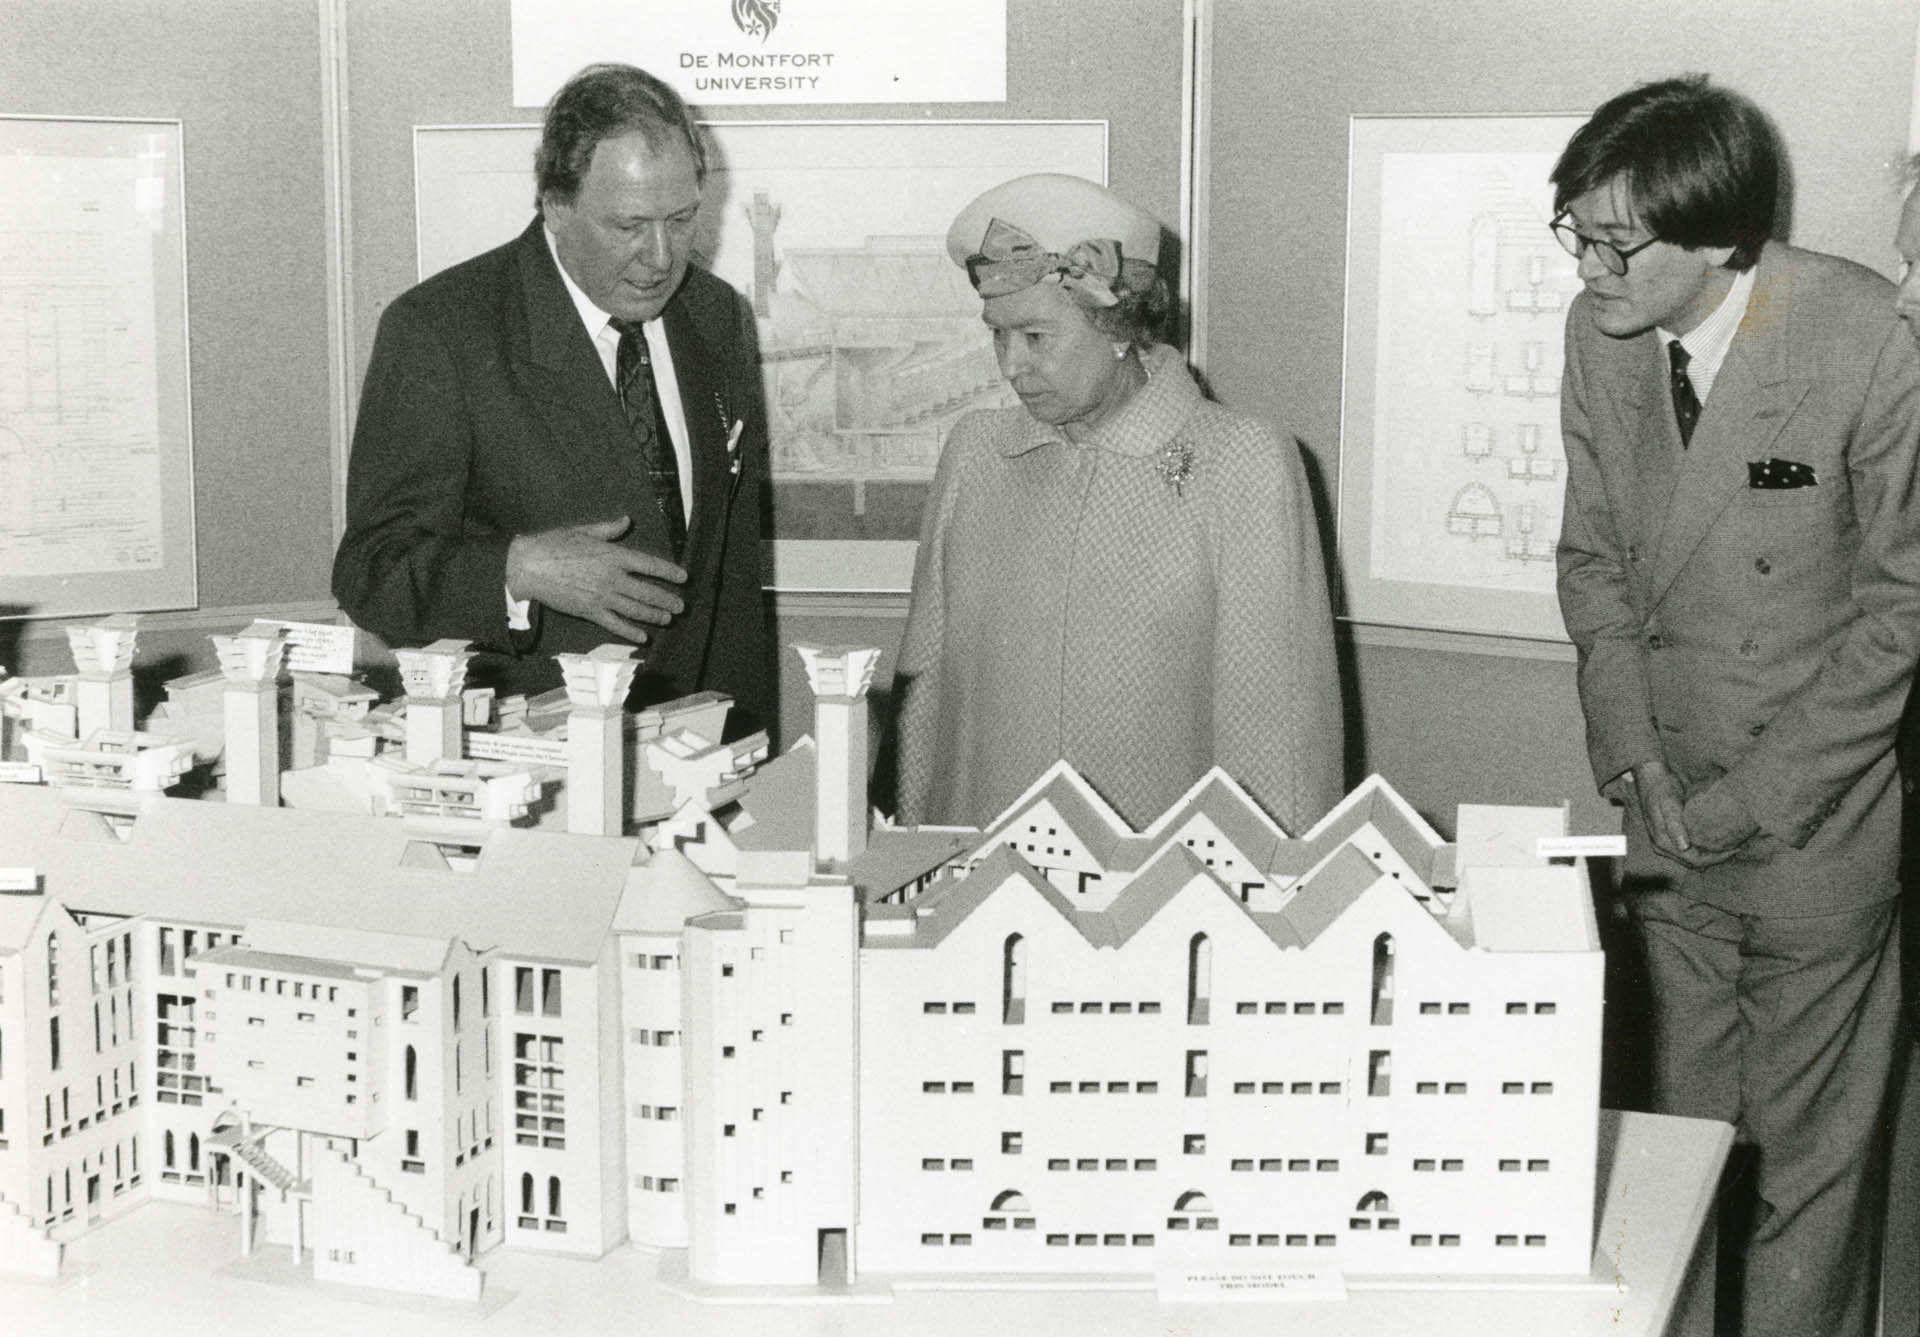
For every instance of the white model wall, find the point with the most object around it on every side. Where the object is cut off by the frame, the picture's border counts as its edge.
(70, 1136)
(561, 1162)
(770, 1070)
(653, 1028)
(445, 1172)
(1102, 1156)
(293, 1044)
(175, 1081)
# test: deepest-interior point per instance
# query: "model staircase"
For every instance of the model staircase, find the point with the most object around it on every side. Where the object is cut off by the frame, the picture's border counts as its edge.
(255, 1156)
(365, 1236)
(26, 1248)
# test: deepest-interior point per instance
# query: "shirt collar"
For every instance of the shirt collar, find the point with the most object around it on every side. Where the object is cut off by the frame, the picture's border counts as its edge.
(1707, 343)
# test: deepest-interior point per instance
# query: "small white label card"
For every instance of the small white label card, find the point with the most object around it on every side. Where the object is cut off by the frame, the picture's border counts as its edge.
(1231, 1281)
(19, 773)
(1581, 847)
(318, 647)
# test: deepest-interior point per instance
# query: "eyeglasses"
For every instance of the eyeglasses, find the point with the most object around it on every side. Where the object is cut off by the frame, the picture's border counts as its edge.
(1577, 244)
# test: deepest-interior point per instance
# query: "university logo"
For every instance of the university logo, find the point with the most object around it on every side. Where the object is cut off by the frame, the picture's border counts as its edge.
(756, 18)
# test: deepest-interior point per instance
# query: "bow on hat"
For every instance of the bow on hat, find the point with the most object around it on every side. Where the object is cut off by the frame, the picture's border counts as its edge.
(1009, 259)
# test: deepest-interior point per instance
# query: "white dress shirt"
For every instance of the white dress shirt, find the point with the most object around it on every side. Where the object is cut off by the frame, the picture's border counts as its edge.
(606, 343)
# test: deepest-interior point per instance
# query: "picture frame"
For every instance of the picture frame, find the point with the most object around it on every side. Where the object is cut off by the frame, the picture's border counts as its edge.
(869, 334)
(96, 442)
(1451, 469)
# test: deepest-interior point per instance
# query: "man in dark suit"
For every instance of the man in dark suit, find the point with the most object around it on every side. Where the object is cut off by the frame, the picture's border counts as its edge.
(1739, 569)
(563, 442)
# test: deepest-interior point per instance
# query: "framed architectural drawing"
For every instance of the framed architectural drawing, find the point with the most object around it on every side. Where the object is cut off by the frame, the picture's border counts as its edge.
(870, 337)
(1451, 469)
(96, 457)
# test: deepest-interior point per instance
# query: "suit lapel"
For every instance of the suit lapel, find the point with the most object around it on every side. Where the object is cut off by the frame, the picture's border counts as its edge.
(1753, 396)
(556, 360)
(705, 410)
(1647, 413)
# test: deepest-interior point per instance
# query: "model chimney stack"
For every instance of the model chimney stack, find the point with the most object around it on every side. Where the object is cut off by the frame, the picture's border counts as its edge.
(597, 684)
(103, 661)
(250, 662)
(839, 675)
(433, 678)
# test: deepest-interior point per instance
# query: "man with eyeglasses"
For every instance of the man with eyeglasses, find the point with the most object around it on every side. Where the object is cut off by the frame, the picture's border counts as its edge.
(1739, 570)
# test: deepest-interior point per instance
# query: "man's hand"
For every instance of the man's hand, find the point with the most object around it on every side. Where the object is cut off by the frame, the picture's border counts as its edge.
(1697, 831)
(1718, 821)
(579, 569)
(1661, 800)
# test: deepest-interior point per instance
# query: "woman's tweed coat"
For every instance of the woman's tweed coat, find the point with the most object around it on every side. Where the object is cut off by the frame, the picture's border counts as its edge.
(1073, 602)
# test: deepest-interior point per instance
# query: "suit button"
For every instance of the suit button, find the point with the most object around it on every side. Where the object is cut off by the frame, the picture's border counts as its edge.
(1633, 552)
(1756, 729)
(1653, 640)
(1762, 565)
(1749, 647)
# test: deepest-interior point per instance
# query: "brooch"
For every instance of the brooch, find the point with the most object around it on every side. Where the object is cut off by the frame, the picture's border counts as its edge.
(1176, 466)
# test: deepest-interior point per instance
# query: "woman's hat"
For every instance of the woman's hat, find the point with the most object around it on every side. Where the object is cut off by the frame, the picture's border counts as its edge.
(1054, 228)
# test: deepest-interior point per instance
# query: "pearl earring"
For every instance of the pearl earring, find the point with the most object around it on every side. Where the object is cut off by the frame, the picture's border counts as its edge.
(1119, 352)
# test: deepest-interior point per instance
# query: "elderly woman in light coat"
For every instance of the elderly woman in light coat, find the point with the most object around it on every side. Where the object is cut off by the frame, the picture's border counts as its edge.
(1118, 572)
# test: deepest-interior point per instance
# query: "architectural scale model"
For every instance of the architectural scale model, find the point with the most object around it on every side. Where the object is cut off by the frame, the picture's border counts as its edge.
(546, 975)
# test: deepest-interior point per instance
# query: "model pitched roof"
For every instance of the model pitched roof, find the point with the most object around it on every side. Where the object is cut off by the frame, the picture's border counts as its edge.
(545, 895)
(1173, 870)
(778, 804)
(1237, 815)
(351, 946)
(20, 913)
(1373, 803)
(1330, 892)
(664, 893)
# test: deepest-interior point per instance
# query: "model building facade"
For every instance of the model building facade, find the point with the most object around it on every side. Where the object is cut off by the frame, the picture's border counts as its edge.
(589, 979)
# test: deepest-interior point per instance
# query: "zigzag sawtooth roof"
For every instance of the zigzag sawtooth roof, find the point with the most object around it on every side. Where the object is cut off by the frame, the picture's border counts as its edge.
(1232, 812)
(1294, 858)
(541, 895)
(1320, 901)
(1176, 867)
(1238, 818)
(1117, 850)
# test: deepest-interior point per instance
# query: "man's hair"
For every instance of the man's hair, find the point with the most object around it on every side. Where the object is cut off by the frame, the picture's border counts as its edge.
(603, 102)
(1701, 164)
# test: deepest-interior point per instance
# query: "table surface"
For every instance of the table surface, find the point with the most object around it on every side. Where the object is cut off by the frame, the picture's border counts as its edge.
(169, 1268)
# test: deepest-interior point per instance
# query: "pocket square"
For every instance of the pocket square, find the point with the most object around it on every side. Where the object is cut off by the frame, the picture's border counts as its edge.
(1779, 474)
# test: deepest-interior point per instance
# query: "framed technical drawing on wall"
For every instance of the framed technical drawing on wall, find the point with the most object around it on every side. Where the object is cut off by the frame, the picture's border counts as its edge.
(96, 457)
(870, 337)
(1451, 469)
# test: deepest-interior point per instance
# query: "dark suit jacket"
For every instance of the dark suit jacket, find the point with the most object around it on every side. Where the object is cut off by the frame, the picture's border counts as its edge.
(486, 413)
(1756, 639)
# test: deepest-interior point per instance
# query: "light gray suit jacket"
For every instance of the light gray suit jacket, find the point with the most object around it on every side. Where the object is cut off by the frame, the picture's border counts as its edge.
(1758, 639)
